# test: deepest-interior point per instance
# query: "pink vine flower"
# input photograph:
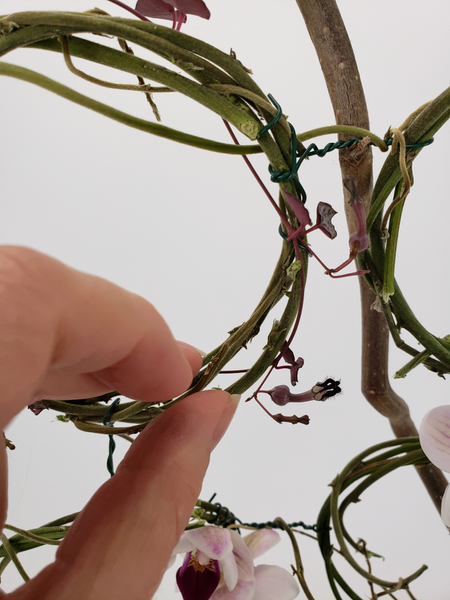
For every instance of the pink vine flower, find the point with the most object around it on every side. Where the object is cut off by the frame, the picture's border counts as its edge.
(173, 10)
(219, 566)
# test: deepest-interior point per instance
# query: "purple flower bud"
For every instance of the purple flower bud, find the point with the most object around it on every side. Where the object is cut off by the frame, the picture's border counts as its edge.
(281, 395)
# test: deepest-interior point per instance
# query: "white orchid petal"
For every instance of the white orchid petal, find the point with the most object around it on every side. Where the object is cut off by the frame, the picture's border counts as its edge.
(245, 590)
(434, 436)
(213, 541)
(274, 582)
(445, 506)
(261, 540)
(183, 546)
(229, 570)
(243, 557)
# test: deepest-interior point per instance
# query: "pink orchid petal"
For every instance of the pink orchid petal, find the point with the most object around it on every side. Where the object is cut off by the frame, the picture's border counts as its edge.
(434, 436)
(242, 556)
(274, 582)
(445, 506)
(213, 541)
(245, 590)
(261, 540)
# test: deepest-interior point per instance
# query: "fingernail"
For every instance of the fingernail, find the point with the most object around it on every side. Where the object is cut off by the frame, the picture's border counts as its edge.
(226, 418)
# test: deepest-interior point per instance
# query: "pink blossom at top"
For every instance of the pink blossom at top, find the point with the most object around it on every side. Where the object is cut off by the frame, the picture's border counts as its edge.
(173, 10)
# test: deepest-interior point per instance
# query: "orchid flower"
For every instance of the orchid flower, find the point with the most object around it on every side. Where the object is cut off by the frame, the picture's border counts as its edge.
(219, 566)
(173, 10)
(434, 435)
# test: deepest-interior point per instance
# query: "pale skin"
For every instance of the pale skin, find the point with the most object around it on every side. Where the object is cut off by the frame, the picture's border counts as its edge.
(66, 334)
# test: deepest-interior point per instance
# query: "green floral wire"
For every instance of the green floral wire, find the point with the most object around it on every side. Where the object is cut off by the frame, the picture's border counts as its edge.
(314, 150)
(112, 443)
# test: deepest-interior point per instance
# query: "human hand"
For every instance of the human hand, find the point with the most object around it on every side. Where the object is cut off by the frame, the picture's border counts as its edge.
(67, 334)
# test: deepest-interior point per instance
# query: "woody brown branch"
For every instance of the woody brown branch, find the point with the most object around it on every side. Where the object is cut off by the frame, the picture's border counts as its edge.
(329, 36)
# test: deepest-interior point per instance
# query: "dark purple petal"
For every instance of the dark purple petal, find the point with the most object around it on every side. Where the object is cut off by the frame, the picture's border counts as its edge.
(197, 581)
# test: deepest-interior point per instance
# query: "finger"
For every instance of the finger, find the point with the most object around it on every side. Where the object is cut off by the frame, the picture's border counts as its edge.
(62, 384)
(193, 355)
(120, 545)
(63, 331)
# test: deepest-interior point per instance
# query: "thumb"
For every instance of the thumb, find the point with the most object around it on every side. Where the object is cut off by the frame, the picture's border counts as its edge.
(120, 544)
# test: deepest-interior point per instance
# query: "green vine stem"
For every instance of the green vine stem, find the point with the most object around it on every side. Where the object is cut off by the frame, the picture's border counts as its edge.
(51, 24)
(12, 557)
(299, 570)
(391, 247)
(371, 465)
(108, 111)
(88, 416)
(422, 128)
(218, 82)
(343, 129)
(50, 533)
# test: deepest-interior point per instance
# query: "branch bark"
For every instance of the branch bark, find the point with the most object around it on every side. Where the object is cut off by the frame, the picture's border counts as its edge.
(329, 36)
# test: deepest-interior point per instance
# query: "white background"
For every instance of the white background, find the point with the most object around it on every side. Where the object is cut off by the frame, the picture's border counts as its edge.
(193, 233)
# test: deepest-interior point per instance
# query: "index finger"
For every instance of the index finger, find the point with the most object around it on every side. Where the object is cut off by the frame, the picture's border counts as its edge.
(70, 334)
